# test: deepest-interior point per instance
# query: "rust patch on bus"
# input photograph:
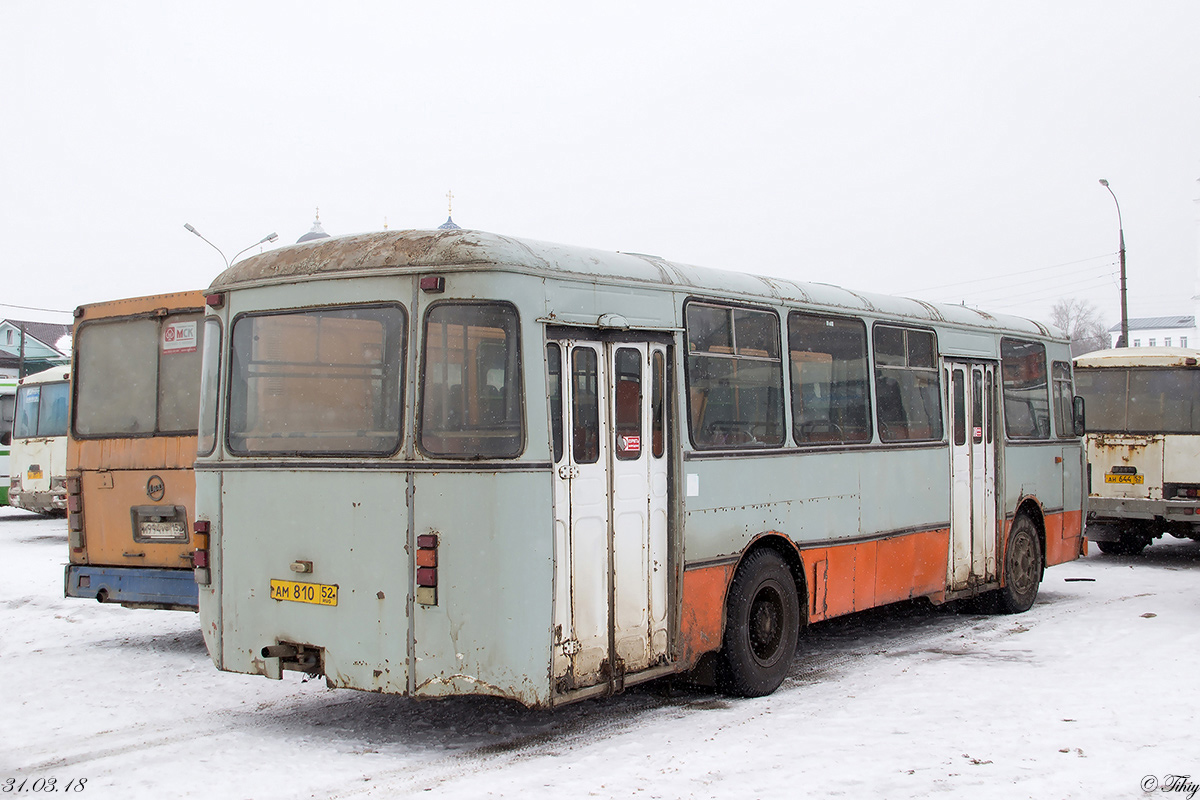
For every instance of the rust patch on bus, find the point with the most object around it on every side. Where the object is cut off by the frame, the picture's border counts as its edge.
(703, 610)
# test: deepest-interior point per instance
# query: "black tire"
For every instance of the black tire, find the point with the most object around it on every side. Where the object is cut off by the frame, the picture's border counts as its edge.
(1130, 544)
(762, 625)
(1134, 543)
(1022, 567)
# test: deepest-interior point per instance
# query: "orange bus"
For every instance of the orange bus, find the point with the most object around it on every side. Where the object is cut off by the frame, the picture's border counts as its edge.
(131, 445)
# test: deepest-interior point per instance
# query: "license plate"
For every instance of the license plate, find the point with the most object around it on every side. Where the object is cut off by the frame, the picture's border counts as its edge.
(162, 531)
(34, 474)
(1110, 478)
(316, 593)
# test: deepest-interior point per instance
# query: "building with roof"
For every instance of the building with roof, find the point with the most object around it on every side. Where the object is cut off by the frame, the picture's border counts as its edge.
(47, 344)
(1170, 331)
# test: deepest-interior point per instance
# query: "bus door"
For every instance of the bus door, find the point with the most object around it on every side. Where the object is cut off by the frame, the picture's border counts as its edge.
(973, 529)
(608, 413)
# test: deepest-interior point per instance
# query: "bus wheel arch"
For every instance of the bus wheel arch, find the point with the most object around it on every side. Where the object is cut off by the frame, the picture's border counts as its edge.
(1024, 561)
(764, 614)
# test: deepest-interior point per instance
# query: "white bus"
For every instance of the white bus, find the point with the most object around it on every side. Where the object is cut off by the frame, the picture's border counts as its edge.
(38, 457)
(449, 462)
(1143, 445)
(8, 403)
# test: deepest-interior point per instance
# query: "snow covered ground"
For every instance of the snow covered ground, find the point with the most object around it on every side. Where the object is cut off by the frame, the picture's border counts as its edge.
(1091, 694)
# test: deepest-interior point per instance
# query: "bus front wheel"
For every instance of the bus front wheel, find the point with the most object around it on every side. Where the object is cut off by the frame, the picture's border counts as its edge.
(1022, 567)
(762, 626)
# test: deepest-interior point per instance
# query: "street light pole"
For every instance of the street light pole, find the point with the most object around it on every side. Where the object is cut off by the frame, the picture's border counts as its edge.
(188, 225)
(1124, 340)
(269, 238)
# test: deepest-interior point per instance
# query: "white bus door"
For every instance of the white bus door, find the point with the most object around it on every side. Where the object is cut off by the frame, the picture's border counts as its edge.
(608, 414)
(973, 531)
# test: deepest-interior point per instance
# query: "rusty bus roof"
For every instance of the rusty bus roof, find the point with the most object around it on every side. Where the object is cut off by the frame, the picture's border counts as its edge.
(1140, 357)
(394, 252)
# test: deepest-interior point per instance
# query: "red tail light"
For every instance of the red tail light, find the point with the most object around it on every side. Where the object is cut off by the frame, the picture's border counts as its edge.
(427, 566)
(200, 554)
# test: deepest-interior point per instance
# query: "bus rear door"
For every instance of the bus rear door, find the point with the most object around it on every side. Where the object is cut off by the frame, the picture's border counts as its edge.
(611, 565)
(973, 529)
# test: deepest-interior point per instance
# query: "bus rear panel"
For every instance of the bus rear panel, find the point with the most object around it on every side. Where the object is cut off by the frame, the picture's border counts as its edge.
(131, 449)
(1143, 445)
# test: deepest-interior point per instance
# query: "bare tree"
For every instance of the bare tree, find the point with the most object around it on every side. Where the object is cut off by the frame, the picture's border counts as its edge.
(1080, 320)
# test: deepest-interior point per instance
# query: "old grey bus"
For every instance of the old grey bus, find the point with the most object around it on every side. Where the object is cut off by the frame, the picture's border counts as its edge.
(439, 463)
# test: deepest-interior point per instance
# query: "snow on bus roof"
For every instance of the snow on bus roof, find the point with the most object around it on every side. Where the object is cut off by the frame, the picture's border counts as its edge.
(358, 255)
(1140, 357)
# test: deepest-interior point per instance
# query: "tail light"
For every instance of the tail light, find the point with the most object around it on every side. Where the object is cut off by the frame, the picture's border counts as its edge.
(200, 568)
(427, 564)
(75, 514)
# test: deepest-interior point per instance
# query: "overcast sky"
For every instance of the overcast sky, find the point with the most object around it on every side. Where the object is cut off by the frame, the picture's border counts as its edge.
(943, 150)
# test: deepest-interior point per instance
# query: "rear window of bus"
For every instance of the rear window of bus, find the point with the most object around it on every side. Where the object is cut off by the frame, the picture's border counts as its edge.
(322, 381)
(471, 395)
(136, 377)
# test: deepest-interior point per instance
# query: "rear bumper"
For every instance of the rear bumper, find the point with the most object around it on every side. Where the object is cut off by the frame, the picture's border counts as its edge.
(1106, 515)
(133, 587)
(52, 502)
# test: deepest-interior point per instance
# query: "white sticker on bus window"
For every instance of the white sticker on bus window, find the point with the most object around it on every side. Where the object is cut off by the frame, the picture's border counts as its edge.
(693, 485)
(179, 337)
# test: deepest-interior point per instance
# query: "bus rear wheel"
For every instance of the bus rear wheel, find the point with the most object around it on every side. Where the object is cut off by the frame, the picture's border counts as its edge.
(1022, 567)
(762, 627)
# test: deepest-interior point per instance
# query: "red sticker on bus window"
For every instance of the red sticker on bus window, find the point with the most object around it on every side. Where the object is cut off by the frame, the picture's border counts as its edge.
(631, 444)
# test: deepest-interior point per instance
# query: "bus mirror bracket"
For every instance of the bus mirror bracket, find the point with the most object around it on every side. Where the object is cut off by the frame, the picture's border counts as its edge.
(1077, 416)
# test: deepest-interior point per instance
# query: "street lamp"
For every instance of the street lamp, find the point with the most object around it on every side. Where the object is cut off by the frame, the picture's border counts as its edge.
(272, 237)
(268, 238)
(1124, 340)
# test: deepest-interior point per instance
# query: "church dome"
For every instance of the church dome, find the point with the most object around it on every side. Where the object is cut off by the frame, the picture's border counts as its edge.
(316, 232)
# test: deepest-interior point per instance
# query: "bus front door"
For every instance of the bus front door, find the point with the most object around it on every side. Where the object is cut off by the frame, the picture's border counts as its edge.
(973, 530)
(608, 410)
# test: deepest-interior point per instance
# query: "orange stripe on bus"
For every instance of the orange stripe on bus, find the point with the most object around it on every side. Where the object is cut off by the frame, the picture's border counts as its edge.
(1063, 533)
(853, 577)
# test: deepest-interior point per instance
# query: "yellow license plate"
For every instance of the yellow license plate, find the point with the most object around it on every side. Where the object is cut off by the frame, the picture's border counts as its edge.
(316, 593)
(34, 474)
(1110, 478)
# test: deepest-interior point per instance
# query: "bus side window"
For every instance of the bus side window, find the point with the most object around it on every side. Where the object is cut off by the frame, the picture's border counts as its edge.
(960, 410)
(734, 375)
(828, 360)
(658, 411)
(977, 422)
(1064, 399)
(907, 384)
(628, 427)
(1026, 399)
(554, 397)
(585, 407)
